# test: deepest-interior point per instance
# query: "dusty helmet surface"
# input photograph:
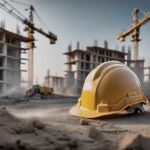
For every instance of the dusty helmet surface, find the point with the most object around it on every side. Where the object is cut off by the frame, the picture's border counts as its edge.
(108, 89)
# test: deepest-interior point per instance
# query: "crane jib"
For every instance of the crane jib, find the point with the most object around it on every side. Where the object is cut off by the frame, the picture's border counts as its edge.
(7, 7)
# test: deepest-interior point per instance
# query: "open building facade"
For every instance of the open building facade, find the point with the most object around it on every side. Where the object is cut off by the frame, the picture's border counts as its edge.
(10, 59)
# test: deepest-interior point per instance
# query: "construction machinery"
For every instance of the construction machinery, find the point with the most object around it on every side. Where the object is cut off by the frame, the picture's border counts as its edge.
(135, 30)
(109, 89)
(41, 90)
(30, 27)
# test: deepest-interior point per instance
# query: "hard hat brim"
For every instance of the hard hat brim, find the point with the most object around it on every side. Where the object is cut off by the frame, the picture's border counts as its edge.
(86, 113)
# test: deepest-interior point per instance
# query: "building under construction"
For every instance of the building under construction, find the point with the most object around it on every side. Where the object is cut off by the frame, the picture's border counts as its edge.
(10, 59)
(81, 62)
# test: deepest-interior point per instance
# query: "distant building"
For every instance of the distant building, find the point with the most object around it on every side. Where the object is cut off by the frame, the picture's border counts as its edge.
(10, 59)
(57, 83)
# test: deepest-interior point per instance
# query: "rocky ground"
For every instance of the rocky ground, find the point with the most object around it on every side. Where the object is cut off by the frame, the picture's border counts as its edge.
(46, 125)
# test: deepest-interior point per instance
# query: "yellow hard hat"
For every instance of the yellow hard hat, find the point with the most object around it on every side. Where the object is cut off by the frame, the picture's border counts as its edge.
(108, 89)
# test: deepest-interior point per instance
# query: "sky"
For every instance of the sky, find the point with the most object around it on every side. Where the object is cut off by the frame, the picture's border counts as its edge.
(79, 20)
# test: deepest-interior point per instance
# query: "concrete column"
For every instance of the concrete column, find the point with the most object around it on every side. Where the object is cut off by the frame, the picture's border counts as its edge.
(4, 38)
(91, 64)
(78, 68)
(5, 66)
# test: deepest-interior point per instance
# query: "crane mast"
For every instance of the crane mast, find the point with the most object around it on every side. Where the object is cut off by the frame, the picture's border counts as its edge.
(7, 7)
(31, 48)
(135, 34)
(135, 31)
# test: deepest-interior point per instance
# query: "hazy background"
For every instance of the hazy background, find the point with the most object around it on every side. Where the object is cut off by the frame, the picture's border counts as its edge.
(79, 20)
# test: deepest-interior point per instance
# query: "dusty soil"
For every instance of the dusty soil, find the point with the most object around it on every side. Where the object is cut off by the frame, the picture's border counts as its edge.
(46, 125)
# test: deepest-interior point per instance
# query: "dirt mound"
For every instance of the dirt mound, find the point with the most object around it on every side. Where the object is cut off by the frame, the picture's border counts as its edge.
(16, 145)
(94, 133)
(10, 142)
(29, 126)
(6, 116)
(135, 142)
(5, 113)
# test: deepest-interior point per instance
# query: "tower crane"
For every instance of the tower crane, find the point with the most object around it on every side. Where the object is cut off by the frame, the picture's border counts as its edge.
(135, 30)
(30, 26)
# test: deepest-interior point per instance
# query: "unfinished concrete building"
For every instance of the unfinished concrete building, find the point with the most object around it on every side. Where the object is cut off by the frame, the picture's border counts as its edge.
(56, 82)
(10, 59)
(81, 62)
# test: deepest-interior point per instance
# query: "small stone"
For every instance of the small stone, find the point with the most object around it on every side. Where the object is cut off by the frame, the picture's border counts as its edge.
(66, 148)
(38, 124)
(20, 145)
(64, 138)
(49, 140)
(3, 108)
(94, 133)
(84, 122)
(60, 147)
(73, 144)
(25, 127)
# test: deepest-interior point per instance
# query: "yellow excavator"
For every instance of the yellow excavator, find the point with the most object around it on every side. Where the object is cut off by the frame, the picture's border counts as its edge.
(41, 90)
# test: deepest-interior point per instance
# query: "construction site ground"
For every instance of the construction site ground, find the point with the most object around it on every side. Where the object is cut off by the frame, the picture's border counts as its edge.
(45, 124)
